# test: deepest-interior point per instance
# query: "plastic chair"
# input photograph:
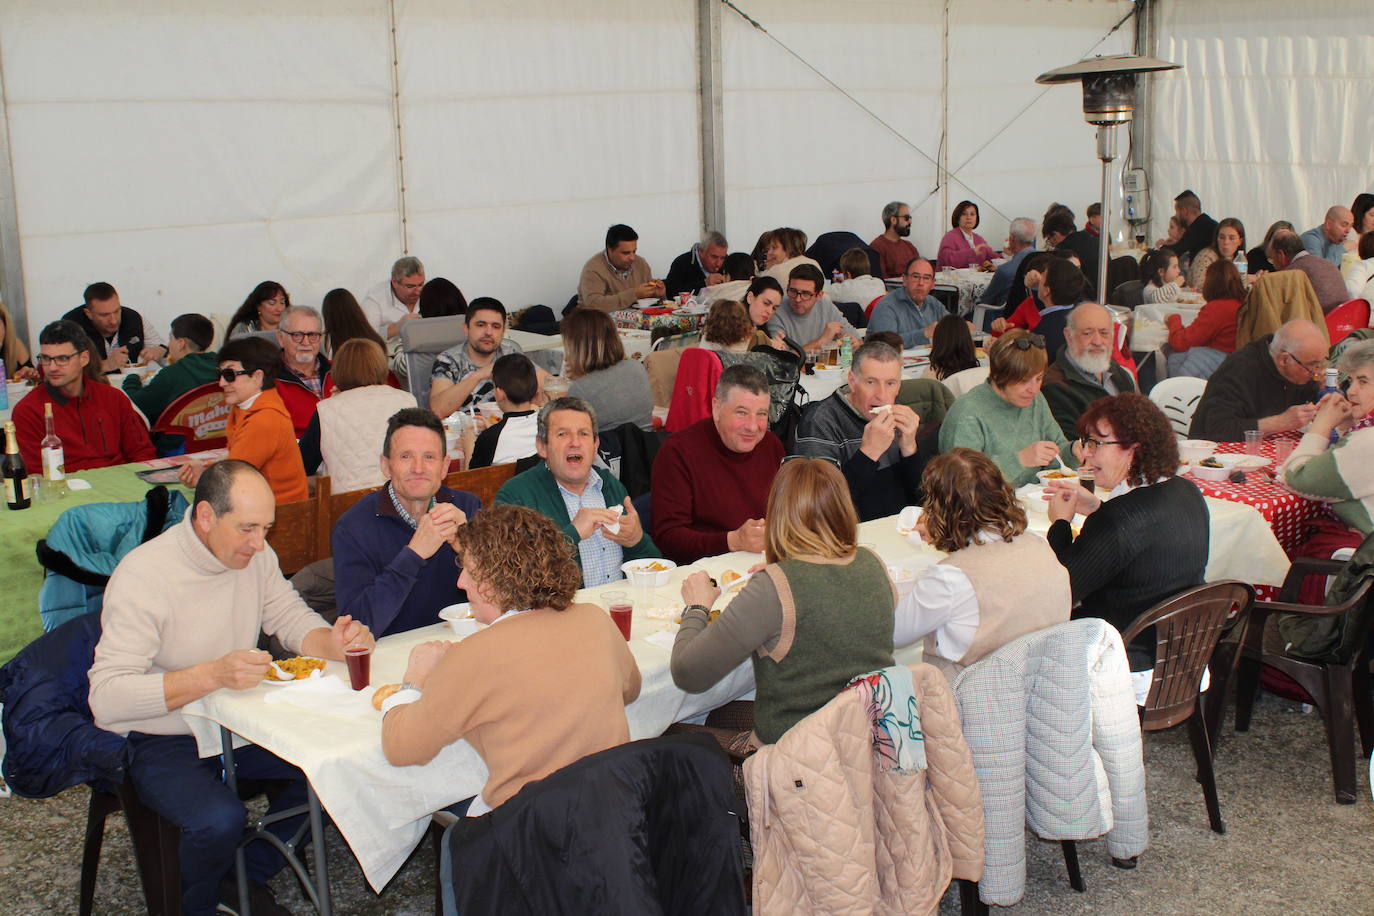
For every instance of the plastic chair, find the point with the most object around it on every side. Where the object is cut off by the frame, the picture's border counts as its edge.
(1187, 630)
(965, 380)
(1338, 683)
(1129, 294)
(868, 309)
(1346, 317)
(1178, 398)
(199, 416)
(155, 850)
(422, 340)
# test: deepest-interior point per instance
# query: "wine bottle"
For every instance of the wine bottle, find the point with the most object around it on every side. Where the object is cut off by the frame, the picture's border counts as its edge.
(15, 474)
(54, 461)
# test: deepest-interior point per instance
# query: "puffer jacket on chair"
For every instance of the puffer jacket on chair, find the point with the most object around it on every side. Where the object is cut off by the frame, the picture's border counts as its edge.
(833, 833)
(1052, 724)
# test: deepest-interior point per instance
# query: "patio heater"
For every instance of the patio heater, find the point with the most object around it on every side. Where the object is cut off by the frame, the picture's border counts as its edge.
(1108, 100)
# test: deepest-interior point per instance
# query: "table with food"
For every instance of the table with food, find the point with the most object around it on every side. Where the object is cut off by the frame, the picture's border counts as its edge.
(1248, 474)
(334, 733)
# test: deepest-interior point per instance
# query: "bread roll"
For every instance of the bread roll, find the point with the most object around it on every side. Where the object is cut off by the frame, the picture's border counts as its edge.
(382, 693)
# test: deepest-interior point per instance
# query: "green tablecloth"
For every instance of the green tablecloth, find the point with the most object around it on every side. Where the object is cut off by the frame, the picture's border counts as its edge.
(20, 531)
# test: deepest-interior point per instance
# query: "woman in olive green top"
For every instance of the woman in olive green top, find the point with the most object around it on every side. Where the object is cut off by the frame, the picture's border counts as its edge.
(819, 614)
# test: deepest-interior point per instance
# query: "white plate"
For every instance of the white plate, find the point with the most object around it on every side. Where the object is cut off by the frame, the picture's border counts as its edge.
(1241, 461)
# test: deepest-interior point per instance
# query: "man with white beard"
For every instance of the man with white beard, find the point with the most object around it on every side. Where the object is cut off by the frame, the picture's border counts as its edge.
(1084, 370)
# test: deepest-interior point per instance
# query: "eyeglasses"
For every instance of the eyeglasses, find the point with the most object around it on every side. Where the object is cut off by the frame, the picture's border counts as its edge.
(303, 336)
(1030, 340)
(1088, 442)
(798, 294)
(60, 359)
(906, 218)
(230, 374)
(920, 276)
(1320, 364)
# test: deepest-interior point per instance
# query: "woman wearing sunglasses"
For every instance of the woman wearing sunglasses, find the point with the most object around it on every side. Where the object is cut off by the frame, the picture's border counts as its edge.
(1006, 418)
(259, 429)
(1150, 540)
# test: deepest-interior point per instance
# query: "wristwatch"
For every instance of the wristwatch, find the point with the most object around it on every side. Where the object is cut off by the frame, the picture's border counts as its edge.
(697, 607)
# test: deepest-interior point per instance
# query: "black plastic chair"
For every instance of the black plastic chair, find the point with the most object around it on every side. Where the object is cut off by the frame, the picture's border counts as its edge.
(155, 850)
(1338, 682)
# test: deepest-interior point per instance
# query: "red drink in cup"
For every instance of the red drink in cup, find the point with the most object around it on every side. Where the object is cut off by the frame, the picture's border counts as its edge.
(359, 661)
(622, 609)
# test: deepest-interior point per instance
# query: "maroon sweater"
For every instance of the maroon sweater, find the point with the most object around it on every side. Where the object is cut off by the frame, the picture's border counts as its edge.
(702, 490)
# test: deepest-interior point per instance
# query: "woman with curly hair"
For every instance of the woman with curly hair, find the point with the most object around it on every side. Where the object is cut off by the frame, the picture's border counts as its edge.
(545, 681)
(818, 614)
(1150, 540)
(261, 311)
(999, 581)
(727, 327)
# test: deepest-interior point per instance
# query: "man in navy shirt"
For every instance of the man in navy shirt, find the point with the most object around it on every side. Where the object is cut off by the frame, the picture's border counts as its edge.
(394, 560)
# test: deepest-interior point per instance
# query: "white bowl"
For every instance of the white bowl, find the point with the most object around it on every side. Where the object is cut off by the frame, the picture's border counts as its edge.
(902, 579)
(1049, 474)
(1206, 473)
(645, 303)
(460, 619)
(1243, 462)
(1196, 449)
(1032, 497)
(660, 575)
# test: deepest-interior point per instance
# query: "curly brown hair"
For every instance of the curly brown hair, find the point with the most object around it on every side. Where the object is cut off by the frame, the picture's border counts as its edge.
(521, 557)
(727, 323)
(966, 493)
(1135, 420)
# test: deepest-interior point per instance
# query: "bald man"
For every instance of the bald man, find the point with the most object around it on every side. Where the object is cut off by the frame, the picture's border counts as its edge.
(1333, 237)
(1084, 369)
(1268, 385)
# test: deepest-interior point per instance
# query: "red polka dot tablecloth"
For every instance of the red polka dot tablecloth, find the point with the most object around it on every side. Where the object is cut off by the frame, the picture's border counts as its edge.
(1285, 511)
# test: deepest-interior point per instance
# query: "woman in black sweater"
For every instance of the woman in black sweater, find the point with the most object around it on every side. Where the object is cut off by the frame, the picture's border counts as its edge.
(1149, 539)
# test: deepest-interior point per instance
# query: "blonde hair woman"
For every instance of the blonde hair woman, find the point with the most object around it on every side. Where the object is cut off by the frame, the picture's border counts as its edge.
(818, 614)
(594, 360)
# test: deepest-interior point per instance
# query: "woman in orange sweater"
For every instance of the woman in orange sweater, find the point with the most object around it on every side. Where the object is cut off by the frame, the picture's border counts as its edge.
(259, 430)
(1198, 349)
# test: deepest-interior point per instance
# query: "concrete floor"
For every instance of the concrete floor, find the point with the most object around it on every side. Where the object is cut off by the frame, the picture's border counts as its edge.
(1289, 848)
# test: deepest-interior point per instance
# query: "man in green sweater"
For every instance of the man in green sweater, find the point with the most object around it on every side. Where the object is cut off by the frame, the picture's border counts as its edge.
(189, 365)
(587, 502)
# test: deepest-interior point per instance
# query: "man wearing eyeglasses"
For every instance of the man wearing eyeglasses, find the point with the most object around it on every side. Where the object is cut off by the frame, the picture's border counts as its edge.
(120, 334)
(303, 379)
(807, 316)
(392, 303)
(911, 311)
(1084, 370)
(894, 251)
(97, 424)
(1268, 384)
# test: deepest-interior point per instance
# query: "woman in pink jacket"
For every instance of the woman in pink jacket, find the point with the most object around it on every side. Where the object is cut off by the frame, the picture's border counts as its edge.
(961, 246)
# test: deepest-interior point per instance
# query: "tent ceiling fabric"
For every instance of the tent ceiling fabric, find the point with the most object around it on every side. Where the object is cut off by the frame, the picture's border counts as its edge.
(186, 150)
(1269, 118)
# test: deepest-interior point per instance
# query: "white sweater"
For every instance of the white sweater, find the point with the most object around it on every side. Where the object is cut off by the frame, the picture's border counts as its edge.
(171, 604)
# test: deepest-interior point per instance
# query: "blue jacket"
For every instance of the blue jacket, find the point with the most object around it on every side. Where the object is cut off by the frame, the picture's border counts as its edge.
(896, 312)
(52, 740)
(381, 581)
(86, 543)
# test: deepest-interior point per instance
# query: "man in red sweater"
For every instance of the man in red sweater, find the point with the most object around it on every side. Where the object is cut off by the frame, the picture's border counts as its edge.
(97, 424)
(711, 480)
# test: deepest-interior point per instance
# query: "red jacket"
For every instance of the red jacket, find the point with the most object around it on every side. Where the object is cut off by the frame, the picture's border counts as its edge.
(98, 429)
(1214, 326)
(300, 401)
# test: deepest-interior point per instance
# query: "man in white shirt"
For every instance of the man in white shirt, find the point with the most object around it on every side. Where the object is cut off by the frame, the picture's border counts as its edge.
(390, 304)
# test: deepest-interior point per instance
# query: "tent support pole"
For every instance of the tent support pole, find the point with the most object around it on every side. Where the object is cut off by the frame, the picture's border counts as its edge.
(11, 265)
(711, 114)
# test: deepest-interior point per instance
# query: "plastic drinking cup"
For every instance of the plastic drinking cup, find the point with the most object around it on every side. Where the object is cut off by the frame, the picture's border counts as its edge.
(622, 611)
(1252, 442)
(359, 661)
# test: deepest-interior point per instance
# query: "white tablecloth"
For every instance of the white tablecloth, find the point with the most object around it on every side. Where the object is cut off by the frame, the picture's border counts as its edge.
(383, 811)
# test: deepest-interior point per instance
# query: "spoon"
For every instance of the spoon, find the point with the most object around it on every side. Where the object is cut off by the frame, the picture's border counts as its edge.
(1062, 465)
(282, 673)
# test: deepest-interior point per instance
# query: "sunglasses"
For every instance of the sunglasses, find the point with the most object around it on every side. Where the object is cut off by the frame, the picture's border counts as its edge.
(1030, 340)
(228, 375)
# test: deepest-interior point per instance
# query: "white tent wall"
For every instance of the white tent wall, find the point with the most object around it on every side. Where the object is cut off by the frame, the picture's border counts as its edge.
(530, 128)
(1269, 117)
(185, 152)
(833, 166)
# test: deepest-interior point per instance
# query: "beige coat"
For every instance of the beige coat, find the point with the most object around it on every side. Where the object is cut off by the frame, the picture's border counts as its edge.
(834, 834)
